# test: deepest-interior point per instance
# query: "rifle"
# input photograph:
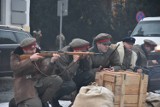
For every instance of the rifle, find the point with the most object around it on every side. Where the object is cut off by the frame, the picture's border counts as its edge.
(49, 54)
(101, 67)
(153, 56)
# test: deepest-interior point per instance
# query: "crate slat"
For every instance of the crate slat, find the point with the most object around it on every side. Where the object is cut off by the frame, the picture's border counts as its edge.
(129, 88)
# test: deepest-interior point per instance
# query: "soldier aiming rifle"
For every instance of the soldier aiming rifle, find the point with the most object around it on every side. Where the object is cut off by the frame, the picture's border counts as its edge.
(50, 53)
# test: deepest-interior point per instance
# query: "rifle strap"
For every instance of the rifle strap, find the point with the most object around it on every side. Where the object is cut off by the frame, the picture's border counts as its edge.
(37, 68)
(110, 56)
(68, 67)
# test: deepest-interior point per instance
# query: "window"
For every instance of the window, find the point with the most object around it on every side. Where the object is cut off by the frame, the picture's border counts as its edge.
(148, 28)
(20, 36)
(7, 37)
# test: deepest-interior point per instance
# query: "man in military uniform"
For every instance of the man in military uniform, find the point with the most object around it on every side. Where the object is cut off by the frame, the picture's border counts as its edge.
(75, 70)
(128, 57)
(142, 52)
(109, 59)
(31, 79)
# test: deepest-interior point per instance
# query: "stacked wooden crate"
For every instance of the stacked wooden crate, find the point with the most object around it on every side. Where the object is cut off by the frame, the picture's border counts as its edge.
(129, 88)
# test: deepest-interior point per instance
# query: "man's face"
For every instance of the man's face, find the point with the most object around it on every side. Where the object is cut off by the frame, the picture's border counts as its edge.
(102, 47)
(31, 49)
(128, 46)
(148, 48)
(80, 50)
(83, 49)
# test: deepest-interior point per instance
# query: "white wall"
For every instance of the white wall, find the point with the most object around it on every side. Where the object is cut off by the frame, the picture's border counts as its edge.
(6, 14)
(5, 5)
(27, 25)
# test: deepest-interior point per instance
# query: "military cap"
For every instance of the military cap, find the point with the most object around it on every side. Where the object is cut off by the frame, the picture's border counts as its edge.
(27, 41)
(103, 38)
(150, 42)
(129, 40)
(78, 43)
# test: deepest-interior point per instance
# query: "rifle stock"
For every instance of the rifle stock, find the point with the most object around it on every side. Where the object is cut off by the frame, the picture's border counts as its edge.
(49, 54)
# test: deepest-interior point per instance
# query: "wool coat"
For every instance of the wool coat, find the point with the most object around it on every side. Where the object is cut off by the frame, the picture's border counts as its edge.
(142, 55)
(122, 54)
(28, 75)
(108, 59)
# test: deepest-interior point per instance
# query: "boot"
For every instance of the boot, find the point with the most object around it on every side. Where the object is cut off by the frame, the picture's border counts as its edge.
(70, 104)
(45, 104)
(12, 103)
(55, 103)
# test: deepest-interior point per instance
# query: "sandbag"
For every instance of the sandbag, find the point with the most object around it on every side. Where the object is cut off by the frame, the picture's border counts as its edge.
(153, 99)
(94, 96)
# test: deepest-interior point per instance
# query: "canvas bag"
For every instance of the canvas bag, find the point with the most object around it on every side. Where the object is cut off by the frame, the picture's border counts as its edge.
(94, 96)
(153, 99)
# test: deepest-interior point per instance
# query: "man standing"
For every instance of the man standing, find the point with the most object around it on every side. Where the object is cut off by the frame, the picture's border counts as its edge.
(109, 59)
(75, 70)
(30, 81)
(128, 57)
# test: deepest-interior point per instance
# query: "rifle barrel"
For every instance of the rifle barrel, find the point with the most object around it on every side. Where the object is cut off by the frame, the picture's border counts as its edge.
(50, 53)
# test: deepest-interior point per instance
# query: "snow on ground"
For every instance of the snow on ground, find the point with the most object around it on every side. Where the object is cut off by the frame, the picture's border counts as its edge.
(63, 103)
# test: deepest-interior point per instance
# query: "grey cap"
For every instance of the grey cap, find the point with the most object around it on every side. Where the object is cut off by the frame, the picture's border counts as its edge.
(103, 36)
(150, 42)
(27, 42)
(77, 42)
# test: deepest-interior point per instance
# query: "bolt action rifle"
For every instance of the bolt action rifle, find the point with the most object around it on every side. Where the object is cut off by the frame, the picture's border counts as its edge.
(109, 57)
(50, 53)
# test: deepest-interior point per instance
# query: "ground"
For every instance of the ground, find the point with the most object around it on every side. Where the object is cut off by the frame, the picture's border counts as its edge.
(6, 92)
(63, 103)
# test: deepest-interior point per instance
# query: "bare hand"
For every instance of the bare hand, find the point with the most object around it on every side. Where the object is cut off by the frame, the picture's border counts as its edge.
(154, 62)
(55, 57)
(109, 69)
(76, 58)
(139, 70)
(35, 57)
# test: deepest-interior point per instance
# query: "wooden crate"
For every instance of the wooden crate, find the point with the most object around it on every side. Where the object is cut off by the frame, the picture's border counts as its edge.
(129, 88)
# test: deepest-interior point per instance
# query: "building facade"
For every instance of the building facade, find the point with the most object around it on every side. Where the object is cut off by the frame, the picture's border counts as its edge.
(15, 12)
